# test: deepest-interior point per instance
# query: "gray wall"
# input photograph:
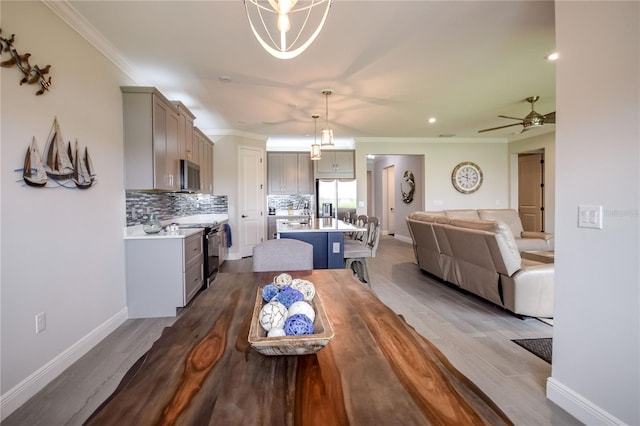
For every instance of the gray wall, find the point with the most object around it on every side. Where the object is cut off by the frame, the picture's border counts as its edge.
(414, 163)
(62, 249)
(596, 348)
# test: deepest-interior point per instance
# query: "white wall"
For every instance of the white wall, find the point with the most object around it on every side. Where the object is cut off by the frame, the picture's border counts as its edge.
(440, 159)
(62, 249)
(596, 349)
(225, 178)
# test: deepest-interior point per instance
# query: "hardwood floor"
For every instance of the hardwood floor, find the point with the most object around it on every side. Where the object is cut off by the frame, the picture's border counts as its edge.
(473, 334)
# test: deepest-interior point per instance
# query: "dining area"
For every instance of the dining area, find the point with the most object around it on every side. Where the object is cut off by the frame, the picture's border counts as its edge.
(376, 369)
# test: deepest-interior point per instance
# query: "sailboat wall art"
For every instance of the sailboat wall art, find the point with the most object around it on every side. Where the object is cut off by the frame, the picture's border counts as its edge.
(61, 166)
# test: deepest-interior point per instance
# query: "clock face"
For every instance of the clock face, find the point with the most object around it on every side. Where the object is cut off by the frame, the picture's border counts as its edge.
(466, 177)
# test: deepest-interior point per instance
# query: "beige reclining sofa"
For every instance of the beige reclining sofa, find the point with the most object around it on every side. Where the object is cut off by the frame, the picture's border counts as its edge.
(482, 257)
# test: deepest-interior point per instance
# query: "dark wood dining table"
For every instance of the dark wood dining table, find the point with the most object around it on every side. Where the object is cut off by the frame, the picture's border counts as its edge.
(377, 370)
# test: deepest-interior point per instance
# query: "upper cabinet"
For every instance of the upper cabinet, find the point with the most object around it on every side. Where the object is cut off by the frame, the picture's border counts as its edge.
(289, 173)
(151, 150)
(335, 164)
(185, 133)
(205, 148)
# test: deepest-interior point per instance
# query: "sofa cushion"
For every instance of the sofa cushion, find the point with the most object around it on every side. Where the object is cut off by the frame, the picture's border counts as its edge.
(462, 214)
(508, 216)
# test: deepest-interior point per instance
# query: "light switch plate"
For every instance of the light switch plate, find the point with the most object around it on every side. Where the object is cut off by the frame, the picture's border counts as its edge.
(590, 216)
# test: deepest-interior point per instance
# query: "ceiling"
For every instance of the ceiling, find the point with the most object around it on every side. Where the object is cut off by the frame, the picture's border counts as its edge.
(391, 65)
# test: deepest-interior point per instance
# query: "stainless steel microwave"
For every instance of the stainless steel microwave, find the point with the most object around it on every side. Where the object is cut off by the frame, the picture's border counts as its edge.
(189, 176)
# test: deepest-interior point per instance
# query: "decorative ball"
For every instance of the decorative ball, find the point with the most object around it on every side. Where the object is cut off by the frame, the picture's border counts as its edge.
(282, 280)
(288, 295)
(276, 332)
(269, 292)
(305, 287)
(298, 324)
(303, 308)
(273, 315)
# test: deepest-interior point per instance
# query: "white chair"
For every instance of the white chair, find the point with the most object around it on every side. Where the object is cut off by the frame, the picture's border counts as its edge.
(356, 253)
(284, 254)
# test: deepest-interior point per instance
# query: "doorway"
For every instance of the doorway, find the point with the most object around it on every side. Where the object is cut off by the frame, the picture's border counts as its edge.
(531, 191)
(388, 199)
(251, 198)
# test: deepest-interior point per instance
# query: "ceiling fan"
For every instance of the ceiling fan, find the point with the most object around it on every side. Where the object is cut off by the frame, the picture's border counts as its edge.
(531, 121)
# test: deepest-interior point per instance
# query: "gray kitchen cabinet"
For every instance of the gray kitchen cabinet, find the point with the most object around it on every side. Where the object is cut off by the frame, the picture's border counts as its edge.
(205, 161)
(151, 151)
(336, 164)
(185, 132)
(289, 173)
(162, 274)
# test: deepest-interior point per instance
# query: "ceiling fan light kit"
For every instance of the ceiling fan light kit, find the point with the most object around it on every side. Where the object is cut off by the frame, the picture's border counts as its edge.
(271, 23)
(326, 138)
(533, 120)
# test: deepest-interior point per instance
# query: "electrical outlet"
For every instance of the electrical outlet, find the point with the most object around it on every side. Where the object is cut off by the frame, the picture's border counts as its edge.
(336, 247)
(41, 322)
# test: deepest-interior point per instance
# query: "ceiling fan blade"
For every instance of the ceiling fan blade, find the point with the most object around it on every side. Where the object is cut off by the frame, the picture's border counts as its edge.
(550, 118)
(499, 127)
(512, 118)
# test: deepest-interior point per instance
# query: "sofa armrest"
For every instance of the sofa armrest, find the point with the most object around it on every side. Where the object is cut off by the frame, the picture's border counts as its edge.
(532, 234)
(530, 291)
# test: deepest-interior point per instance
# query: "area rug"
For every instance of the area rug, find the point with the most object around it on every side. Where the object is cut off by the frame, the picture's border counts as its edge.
(542, 348)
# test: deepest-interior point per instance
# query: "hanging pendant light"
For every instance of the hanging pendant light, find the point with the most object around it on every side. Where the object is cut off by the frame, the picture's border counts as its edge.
(326, 137)
(316, 154)
(272, 33)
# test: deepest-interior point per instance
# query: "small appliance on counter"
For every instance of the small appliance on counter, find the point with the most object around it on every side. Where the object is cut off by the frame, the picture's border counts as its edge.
(272, 211)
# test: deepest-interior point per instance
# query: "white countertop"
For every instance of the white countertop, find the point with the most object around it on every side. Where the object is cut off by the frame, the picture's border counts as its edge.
(317, 225)
(136, 232)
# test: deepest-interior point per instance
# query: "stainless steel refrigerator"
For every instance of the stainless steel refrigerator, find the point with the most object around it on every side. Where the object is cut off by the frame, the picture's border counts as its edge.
(340, 194)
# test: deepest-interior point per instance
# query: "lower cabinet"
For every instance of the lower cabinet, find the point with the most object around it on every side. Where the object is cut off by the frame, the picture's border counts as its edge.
(162, 274)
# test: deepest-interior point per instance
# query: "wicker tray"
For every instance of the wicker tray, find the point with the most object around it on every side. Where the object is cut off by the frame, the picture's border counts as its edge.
(290, 345)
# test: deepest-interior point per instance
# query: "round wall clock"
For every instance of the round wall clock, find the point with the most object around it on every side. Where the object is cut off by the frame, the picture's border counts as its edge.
(466, 177)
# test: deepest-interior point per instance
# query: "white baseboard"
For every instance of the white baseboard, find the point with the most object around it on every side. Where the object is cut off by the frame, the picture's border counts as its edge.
(578, 406)
(23, 391)
(404, 239)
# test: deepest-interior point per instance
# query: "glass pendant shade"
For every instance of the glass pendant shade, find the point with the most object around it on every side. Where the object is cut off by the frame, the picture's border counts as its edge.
(316, 154)
(326, 137)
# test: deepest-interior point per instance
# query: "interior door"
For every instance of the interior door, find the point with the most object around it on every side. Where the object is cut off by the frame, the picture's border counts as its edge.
(251, 199)
(388, 200)
(531, 191)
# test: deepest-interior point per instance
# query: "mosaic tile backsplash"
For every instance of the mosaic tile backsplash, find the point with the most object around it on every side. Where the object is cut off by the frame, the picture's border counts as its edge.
(282, 202)
(140, 205)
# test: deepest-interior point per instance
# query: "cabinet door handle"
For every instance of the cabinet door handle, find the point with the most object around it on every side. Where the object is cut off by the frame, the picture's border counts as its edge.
(244, 215)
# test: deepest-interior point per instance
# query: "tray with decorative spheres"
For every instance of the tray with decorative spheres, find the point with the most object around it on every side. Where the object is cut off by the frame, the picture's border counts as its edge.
(290, 345)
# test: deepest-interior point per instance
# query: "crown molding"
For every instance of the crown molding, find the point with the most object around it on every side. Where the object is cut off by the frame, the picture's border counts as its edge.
(76, 21)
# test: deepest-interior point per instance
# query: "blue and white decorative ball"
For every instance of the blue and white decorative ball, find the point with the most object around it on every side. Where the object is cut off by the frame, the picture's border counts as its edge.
(282, 280)
(298, 324)
(276, 332)
(304, 308)
(273, 315)
(305, 287)
(269, 292)
(288, 295)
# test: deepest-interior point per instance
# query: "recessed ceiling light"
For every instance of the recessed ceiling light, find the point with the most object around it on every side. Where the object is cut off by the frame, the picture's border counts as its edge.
(552, 56)
(225, 79)
(446, 135)
(371, 156)
(432, 120)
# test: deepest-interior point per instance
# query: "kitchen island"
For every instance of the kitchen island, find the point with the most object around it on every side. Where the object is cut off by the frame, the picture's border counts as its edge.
(326, 235)
(377, 370)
